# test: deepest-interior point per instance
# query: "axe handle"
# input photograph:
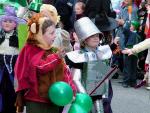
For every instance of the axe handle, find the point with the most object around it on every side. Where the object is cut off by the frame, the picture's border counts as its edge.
(110, 72)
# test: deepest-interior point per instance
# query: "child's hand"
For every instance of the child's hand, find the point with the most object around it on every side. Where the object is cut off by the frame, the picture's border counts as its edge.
(116, 41)
(61, 53)
(120, 21)
(19, 103)
(127, 51)
(75, 37)
(76, 46)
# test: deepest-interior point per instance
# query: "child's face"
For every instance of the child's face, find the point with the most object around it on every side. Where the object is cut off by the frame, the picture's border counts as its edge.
(132, 28)
(78, 9)
(8, 25)
(92, 41)
(50, 35)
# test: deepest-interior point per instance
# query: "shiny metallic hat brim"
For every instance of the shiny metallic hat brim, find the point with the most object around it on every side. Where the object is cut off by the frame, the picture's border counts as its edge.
(85, 28)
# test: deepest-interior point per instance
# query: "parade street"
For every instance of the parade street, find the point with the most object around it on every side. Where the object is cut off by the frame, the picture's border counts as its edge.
(129, 100)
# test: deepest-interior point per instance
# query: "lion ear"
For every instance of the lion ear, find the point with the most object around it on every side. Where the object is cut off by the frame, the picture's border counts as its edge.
(33, 28)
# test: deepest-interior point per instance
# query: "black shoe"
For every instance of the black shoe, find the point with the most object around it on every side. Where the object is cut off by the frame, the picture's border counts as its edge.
(115, 76)
(125, 85)
(133, 84)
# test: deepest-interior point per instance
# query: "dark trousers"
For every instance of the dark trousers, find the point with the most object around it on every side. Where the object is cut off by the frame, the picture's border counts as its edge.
(7, 92)
(130, 69)
(107, 101)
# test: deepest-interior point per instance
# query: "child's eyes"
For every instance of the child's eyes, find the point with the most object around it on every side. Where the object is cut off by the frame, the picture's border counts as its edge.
(10, 21)
(51, 33)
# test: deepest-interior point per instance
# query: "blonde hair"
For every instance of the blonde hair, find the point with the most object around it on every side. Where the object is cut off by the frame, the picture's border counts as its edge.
(52, 12)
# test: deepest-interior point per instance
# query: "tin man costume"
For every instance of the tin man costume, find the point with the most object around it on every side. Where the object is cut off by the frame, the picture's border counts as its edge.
(89, 67)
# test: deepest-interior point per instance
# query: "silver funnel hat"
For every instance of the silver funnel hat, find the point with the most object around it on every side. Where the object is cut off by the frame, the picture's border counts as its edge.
(85, 28)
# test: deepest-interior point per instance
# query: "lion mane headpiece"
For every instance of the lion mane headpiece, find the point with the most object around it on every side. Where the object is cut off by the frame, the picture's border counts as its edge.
(35, 35)
(51, 12)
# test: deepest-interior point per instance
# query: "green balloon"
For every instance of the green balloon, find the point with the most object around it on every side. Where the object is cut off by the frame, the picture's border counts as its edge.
(75, 108)
(84, 100)
(60, 93)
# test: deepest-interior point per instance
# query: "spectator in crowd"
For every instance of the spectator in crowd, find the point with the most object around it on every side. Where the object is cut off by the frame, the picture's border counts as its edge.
(65, 10)
(141, 47)
(79, 10)
(128, 12)
(130, 62)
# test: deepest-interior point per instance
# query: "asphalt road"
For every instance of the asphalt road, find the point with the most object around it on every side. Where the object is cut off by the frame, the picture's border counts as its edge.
(130, 100)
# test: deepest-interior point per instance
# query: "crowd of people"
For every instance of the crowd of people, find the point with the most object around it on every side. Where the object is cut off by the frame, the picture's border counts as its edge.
(80, 42)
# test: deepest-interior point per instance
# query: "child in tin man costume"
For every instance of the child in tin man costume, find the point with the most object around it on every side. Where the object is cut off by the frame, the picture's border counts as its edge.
(88, 67)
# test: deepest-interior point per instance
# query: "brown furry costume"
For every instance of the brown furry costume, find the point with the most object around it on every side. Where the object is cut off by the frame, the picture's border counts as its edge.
(37, 49)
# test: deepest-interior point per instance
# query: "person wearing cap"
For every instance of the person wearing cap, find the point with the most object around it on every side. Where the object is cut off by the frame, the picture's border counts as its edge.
(137, 49)
(87, 64)
(62, 36)
(128, 12)
(130, 62)
(141, 47)
(9, 49)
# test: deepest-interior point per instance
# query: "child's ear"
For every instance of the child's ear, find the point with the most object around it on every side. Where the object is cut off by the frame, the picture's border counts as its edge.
(33, 28)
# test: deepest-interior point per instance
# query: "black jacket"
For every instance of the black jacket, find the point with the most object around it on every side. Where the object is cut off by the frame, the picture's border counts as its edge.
(13, 40)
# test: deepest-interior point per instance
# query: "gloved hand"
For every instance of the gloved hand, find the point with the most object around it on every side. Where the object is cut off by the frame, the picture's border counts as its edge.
(146, 67)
